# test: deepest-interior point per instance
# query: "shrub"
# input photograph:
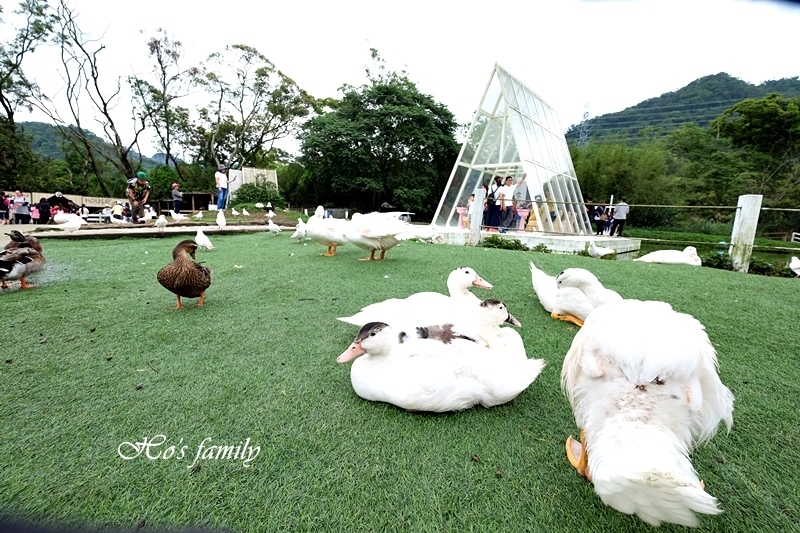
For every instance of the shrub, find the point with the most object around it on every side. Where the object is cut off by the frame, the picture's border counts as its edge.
(262, 191)
(542, 249)
(494, 241)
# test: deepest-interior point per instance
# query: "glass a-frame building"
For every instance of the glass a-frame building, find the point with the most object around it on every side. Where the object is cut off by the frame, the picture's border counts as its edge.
(515, 132)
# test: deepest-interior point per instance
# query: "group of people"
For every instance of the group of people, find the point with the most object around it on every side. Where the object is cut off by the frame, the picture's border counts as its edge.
(18, 209)
(608, 220)
(500, 206)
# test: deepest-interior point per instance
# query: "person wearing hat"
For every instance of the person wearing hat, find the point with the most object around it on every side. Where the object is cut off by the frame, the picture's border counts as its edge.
(177, 197)
(222, 182)
(138, 192)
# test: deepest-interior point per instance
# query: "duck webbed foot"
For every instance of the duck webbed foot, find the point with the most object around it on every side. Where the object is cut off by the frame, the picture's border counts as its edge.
(568, 318)
(577, 455)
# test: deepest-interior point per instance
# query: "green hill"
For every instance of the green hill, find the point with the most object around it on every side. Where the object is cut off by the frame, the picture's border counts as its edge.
(700, 102)
(47, 140)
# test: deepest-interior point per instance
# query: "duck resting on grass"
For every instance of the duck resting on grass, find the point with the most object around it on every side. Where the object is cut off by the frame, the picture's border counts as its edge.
(687, 256)
(184, 277)
(642, 382)
(571, 295)
(424, 374)
(18, 262)
(18, 240)
(425, 306)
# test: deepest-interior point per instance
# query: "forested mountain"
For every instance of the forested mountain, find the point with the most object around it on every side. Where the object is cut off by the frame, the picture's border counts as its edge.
(699, 102)
(47, 141)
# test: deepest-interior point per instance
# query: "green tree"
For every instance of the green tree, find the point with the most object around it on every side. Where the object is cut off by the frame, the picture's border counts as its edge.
(253, 105)
(17, 160)
(384, 142)
(766, 131)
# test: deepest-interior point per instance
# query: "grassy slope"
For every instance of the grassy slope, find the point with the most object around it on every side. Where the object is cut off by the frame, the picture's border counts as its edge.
(257, 362)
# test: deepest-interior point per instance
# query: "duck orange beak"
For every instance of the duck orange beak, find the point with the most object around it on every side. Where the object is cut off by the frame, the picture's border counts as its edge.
(351, 353)
(480, 282)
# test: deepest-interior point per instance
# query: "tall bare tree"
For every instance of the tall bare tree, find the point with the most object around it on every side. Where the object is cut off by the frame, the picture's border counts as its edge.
(158, 100)
(80, 60)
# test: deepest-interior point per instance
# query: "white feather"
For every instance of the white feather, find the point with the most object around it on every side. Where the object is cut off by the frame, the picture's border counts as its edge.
(642, 382)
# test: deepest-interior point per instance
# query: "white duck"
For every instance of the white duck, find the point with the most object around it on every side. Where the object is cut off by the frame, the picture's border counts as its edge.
(430, 307)
(71, 222)
(177, 217)
(566, 303)
(234, 212)
(161, 223)
(377, 231)
(642, 382)
(428, 375)
(221, 222)
(327, 231)
(599, 251)
(588, 283)
(202, 240)
(300, 231)
(794, 266)
(198, 215)
(273, 227)
(688, 256)
(245, 212)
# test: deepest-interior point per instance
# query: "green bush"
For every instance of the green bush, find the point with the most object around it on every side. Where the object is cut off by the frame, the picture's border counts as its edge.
(494, 241)
(715, 260)
(262, 191)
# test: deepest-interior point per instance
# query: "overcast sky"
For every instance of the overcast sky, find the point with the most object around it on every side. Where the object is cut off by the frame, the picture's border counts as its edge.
(607, 54)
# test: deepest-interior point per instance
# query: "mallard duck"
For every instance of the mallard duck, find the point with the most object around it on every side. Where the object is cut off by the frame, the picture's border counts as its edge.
(599, 251)
(429, 375)
(17, 263)
(300, 231)
(425, 306)
(568, 303)
(221, 222)
(328, 231)
(161, 223)
(687, 256)
(18, 240)
(184, 277)
(794, 266)
(377, 231)
(642, 381)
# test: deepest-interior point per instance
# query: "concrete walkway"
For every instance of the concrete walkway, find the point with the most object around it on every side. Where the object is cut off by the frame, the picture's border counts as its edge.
(115, 231)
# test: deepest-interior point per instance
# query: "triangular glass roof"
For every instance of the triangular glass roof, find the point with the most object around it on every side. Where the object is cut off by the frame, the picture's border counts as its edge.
(515, 132)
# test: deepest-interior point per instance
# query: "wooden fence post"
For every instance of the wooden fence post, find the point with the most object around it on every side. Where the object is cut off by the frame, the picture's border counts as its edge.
(744, 231)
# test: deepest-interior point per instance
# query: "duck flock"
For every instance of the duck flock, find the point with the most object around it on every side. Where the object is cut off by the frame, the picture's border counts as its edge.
(642, 397)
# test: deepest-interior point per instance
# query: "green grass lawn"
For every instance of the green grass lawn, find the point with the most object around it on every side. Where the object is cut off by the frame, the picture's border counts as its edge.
(94, 358)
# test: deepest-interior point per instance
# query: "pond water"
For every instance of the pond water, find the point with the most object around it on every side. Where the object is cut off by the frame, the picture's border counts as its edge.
(775, 257)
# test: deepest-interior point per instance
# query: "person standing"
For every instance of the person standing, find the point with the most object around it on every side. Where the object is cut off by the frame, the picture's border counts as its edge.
(222, 182)
(138, 192)
(4, 203)
(493, 203)
(83, 212)
(620, 216)
(19, 206)
(599, 217)
(44, 211)
(177, 197)
(506, 202)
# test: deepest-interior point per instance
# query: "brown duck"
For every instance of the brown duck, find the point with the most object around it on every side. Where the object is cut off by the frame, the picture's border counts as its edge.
(18, 240)
(185, 277)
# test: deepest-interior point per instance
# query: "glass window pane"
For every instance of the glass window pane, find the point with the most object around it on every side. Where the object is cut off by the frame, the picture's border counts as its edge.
(492, 95)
